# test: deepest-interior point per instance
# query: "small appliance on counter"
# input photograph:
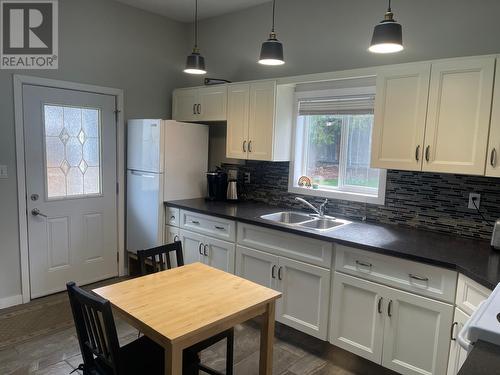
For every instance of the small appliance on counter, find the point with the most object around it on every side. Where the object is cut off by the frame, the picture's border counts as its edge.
(232, 190)
(495, 238)
(484, 324)
(217, 185)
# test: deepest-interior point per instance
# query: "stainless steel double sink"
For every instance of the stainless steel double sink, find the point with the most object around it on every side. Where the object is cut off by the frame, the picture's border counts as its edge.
(306, 221)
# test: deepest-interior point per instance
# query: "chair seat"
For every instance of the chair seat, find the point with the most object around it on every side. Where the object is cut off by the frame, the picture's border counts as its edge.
(144, 356)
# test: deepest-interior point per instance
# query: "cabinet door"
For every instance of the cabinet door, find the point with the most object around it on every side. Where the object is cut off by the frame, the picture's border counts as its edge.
(184, 105)
(213, 101)
(219, 254)
(458, 118)
(416, 334)
(357, 321)
(306, 290)
(400, 111)
(257, 266)
(171, 234)
(261, 120)
(238, 101)
(457, 353)
(493, 157)
(192, 244)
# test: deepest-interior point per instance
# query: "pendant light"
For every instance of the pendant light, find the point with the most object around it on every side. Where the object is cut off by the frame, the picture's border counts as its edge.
(195, 63)
(271, 52)
(387, 35)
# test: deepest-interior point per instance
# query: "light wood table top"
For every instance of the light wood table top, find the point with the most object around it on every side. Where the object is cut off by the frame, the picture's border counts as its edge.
(178, 304)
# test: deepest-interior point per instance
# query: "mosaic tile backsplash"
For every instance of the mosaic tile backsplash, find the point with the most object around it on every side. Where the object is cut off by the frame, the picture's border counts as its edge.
(430, 201)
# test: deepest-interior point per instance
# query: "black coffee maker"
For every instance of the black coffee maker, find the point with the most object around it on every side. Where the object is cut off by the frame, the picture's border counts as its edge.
(217, 185)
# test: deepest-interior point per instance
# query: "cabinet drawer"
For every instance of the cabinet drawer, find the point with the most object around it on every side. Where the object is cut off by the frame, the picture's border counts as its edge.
(470, 294)
(403, 274)
(285, 244)
(172, 216)
(209, 225)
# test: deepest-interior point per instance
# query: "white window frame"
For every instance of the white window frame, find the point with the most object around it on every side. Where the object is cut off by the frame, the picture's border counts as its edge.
(297, 164)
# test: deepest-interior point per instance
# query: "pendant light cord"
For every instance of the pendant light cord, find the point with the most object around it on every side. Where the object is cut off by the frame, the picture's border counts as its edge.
(389, 8)
(196, 24)
(274, 10)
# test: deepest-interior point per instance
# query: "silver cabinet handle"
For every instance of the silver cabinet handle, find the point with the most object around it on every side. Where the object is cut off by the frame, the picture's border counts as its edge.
(379, 305)
(279, 273)
(389, 309)
(205, 250)
(199, 248)
(195, 222)
(172, 217)
(36, 212)
(219, 228)
(194, 109)
(249, 146)
(364, 264)
(493, 158)
(419, 278)
(198, 109)
(273, 269)
(176, 238)
(427, 153)
(452, 330)
(417, 153)
(244, 146)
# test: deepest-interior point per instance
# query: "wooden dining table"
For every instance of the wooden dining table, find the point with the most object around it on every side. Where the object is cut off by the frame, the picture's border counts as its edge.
(180, 307)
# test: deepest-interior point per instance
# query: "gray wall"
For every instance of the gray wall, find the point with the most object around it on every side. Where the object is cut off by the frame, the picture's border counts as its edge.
(329, 35)
(103, 43)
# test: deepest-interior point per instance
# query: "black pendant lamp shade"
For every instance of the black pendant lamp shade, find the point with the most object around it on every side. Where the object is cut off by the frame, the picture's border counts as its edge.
(387, 35)
(271, 52)
(195, 63)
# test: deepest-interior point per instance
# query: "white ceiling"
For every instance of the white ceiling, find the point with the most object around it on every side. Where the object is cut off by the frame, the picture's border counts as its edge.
(183, 10)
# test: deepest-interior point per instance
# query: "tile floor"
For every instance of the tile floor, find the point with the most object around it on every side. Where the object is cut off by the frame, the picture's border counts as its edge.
(295, 353)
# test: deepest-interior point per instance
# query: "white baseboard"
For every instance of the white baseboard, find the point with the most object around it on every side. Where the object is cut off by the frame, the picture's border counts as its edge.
(11, 301)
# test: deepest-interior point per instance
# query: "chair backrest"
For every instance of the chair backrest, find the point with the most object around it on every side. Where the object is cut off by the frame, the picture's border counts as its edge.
(159, 257)
(96, 330)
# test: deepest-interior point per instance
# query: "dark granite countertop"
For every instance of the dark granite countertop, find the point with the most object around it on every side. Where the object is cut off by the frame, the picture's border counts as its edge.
(484, 359)
(472, 257)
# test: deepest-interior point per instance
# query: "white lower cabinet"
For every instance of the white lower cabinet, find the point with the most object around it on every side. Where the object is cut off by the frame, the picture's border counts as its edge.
(305, 288)
(357, 321)
(399, 330)
(171, 234)
(213, 252)
(457, 353)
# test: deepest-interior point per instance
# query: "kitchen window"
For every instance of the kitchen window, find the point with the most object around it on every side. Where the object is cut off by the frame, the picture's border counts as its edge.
(333, 133)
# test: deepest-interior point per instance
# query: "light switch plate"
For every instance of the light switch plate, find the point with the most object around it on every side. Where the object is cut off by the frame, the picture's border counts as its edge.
(3, 171)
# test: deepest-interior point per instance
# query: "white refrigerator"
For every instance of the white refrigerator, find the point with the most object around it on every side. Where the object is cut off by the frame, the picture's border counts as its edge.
(166, 160)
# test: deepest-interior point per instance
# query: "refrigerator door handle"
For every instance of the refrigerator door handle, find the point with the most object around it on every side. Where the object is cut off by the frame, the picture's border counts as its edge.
(135, 173)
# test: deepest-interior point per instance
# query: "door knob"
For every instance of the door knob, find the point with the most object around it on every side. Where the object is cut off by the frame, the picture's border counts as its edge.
(36, 212)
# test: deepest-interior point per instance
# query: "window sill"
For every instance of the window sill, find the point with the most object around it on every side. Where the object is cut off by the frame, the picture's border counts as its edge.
(342, 195)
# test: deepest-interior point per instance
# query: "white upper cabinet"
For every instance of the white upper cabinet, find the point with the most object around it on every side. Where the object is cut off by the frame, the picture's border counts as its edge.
(237, 121)
(213, 101)
(400, 111)
(458, 116)
(492, 159)
(259, 121)
(200, 104)
(184, 103)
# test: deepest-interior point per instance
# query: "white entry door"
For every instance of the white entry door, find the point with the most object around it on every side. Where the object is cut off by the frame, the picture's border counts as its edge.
(71, 176)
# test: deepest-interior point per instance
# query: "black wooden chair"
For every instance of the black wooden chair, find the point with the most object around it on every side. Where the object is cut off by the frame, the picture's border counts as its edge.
(158, 259)
(100, 349)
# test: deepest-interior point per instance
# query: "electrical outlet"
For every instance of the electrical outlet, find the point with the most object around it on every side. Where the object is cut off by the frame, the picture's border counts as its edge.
(474, 197)
(3, 171)
(247, 177)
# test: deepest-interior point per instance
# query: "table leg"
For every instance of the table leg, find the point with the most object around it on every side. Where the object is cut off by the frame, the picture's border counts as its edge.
(266, 340)
(173, 360)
